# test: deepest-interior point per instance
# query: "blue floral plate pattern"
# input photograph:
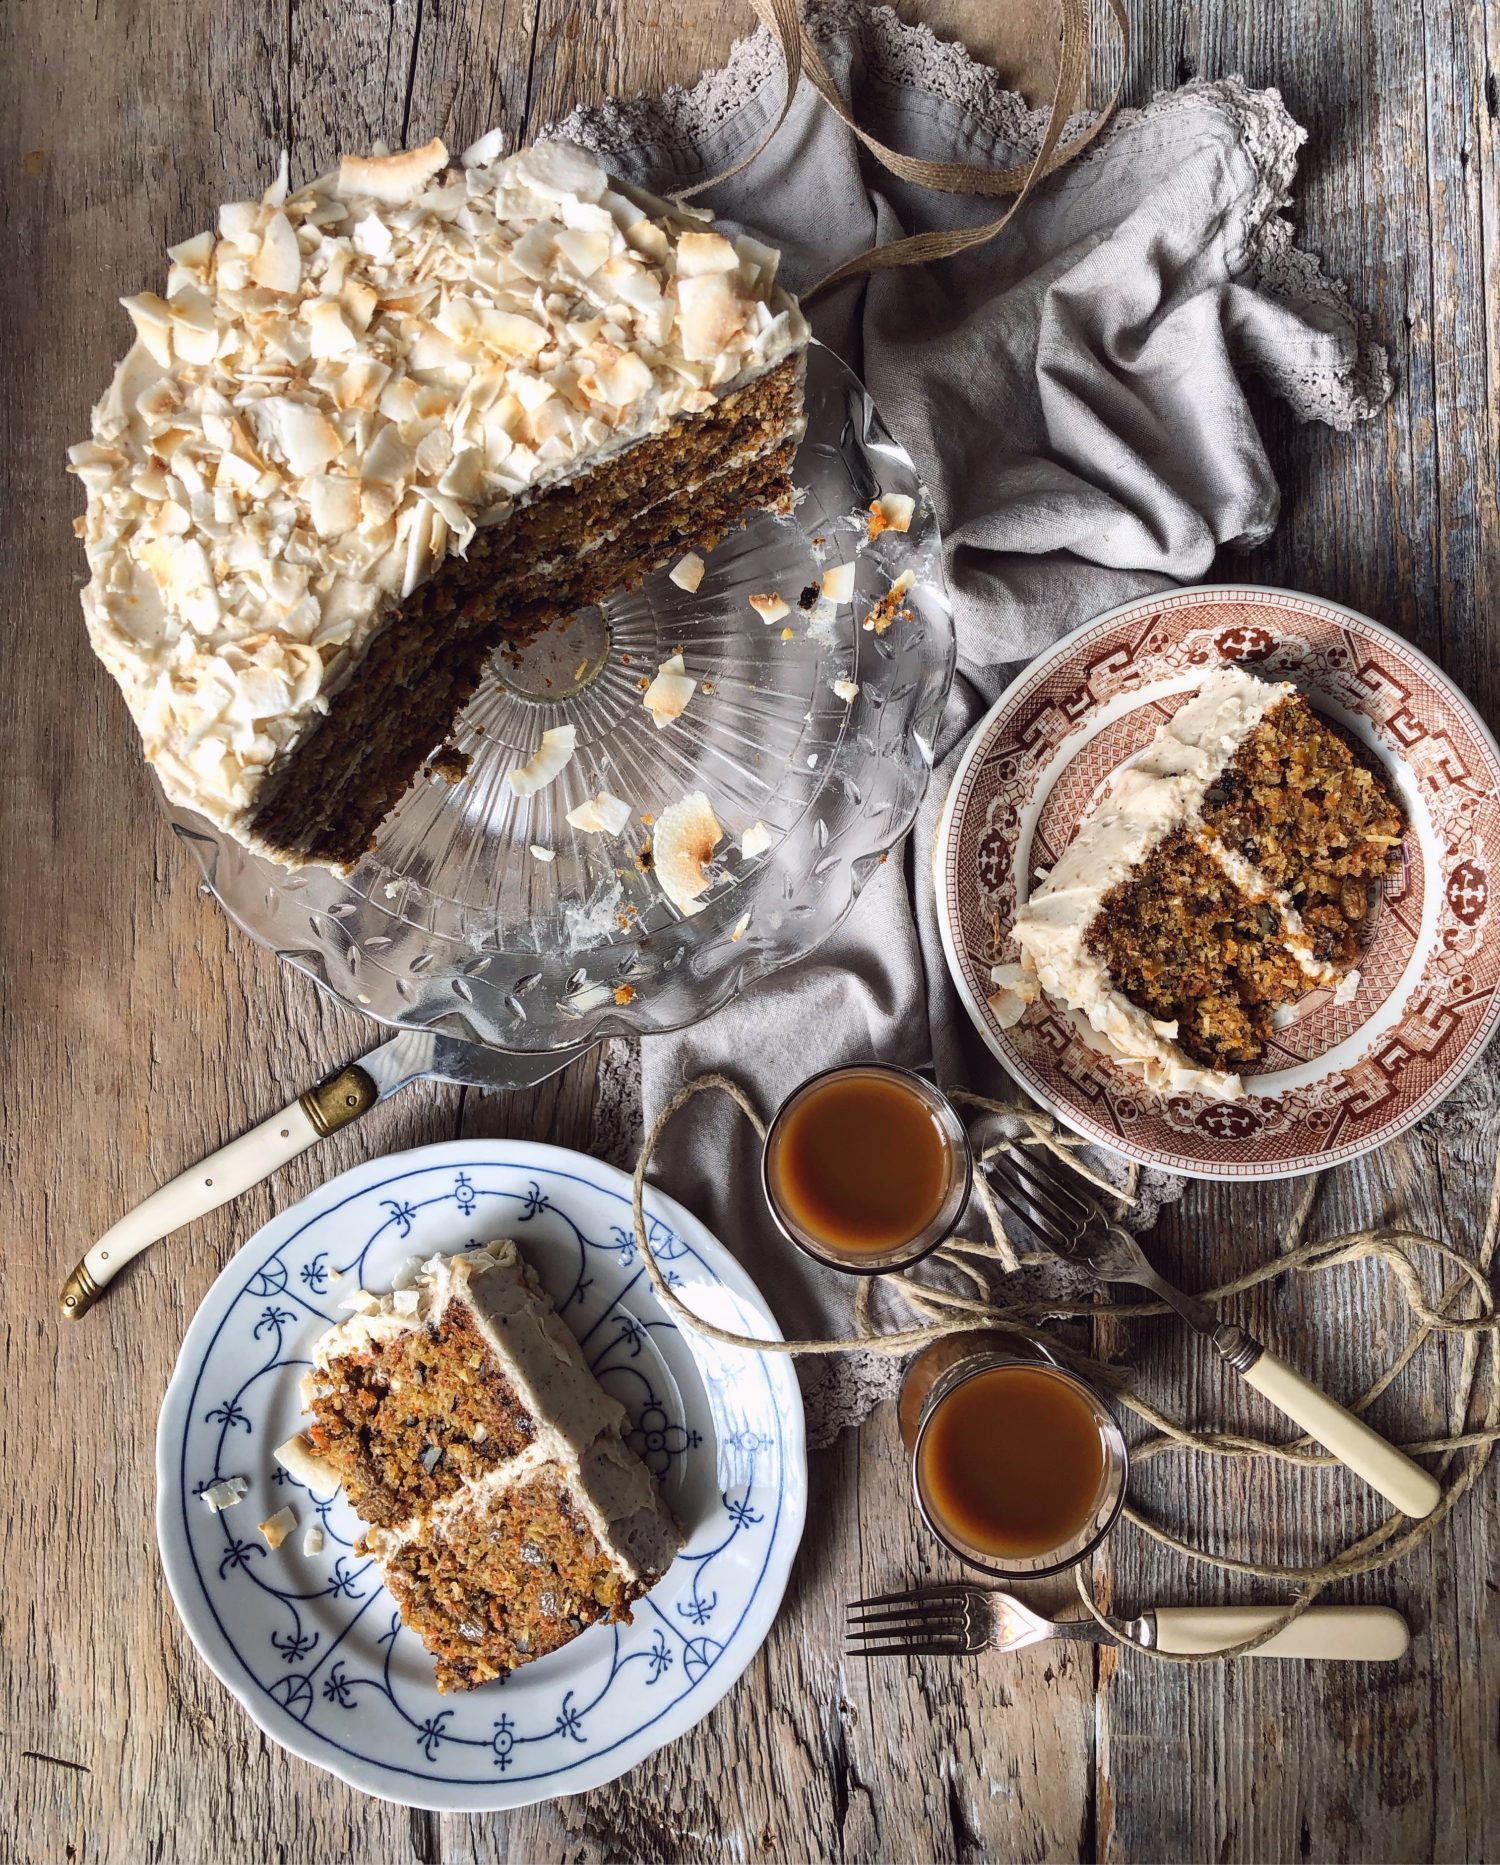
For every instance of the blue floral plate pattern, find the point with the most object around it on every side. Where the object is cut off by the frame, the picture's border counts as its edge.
(312, 1645)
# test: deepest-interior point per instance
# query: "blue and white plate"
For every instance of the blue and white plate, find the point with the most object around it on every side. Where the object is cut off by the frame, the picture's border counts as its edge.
(312, 1644)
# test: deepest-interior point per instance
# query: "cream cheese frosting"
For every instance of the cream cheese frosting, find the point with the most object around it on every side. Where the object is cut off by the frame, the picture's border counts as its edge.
(1160, 791)
(579, 1428)
(342, 383)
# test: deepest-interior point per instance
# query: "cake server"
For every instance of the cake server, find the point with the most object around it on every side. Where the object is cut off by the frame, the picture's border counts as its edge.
(956, 1621)
(412, 1055)
(1056, 1206)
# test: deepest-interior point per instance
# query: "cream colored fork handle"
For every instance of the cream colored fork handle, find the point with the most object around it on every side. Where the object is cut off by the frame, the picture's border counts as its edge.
(1383, 1467)
(1368, 1632)
(214, 1181)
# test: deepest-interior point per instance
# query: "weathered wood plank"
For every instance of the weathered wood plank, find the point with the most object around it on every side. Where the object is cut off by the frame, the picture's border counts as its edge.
(1397, 192)
(127, 995)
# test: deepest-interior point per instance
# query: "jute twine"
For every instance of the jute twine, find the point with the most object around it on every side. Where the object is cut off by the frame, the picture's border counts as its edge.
(802, 58)
(1463, 1451)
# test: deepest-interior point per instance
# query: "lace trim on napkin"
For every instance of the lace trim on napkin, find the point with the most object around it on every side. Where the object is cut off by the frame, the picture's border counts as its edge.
(670, 130)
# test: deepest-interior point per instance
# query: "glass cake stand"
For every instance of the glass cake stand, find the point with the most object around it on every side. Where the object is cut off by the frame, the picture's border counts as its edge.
(453, 924)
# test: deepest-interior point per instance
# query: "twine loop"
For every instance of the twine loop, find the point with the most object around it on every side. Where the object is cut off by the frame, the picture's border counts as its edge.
(1463, 1449)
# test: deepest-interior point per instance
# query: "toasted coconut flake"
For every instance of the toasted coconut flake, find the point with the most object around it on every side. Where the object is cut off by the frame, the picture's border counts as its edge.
(601, 815)
(838, 583)
(225, 1493)
(556, 748)
(297, 1457)
(312, 1538)
(278, 264)
(391, 178)
(739, 928)
(152, 317)
(277, 1527)
(488, 149)
(686, 573)
(699, 254)
(539, 853)
(847, 690)
(1016, 988)
(770, 608)
(687, 833)
(892, 511)
(755, 841)
(669, 693)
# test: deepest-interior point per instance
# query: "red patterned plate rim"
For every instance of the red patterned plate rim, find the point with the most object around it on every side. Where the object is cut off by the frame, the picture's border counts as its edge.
(1346, 1079)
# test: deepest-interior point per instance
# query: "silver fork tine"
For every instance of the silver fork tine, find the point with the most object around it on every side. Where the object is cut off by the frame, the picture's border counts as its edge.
(950, 1649)
(1024, 1204)
(1055, 1182)
(947, 1589)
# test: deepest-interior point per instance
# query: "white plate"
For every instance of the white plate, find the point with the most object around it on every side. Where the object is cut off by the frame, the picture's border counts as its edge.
(312, 1644)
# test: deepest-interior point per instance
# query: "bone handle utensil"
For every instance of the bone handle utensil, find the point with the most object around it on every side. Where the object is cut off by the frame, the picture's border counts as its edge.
(1387, 1470)
(1060, 1210)
(233, 1169)
(411, 1055)
(1372, 1633)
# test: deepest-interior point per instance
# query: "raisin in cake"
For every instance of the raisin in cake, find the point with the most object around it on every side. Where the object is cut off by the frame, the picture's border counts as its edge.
(385, 425)
(501, 1500)
(1226, 872)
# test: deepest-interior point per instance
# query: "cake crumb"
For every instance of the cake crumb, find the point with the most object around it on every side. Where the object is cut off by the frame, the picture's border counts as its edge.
(624, 994)
(847, 690)
(449, 763)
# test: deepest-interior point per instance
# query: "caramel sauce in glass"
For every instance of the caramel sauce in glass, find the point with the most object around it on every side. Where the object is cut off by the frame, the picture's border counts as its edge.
(1012, 1461)
(860, 1163)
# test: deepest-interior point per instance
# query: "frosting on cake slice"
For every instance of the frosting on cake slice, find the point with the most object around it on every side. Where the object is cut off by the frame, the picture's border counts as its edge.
(1225, 872)
(504, 1506)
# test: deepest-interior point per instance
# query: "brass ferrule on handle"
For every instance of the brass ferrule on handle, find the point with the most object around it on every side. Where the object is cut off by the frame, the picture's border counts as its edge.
(339, 1099)
(80, 1292)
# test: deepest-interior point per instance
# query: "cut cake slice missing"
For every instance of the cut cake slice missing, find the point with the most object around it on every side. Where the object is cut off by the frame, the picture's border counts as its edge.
(503, 1504)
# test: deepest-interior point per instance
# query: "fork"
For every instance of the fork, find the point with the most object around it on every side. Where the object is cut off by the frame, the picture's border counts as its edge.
(1056, 1207)
(957, 1621)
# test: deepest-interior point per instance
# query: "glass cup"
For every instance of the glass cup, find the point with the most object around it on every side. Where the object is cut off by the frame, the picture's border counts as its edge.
(944, 1370)
(890, 1253)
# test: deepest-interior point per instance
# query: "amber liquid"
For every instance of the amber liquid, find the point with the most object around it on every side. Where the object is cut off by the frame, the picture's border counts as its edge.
(860, 1164)
(1012, 1462)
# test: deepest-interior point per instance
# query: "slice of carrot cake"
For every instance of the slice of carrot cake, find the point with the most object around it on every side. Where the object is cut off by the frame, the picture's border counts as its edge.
(390, 422)
(501, 1500)
(1226, 871)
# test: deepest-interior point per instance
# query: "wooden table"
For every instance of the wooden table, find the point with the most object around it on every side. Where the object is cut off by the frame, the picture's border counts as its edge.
(140, 1029)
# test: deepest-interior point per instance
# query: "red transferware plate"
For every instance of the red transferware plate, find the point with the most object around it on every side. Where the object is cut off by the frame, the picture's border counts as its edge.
(1341, 1078)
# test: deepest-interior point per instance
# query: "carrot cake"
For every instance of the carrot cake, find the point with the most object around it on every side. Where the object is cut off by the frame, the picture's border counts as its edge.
(385, 425)
(1226, 872)
(500, 1498)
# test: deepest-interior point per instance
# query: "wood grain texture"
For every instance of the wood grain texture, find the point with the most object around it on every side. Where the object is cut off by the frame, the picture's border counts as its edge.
(138, 1029)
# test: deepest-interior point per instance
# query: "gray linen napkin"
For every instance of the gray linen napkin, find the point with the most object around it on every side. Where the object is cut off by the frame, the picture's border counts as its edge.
(1071, 395)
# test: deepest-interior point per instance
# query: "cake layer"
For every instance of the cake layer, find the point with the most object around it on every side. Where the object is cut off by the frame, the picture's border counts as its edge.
(490, 1467)
(572, 546)
(1317, 823)
(1189, 946)
(1225, 872)
(503, 1577)
(344, 389)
